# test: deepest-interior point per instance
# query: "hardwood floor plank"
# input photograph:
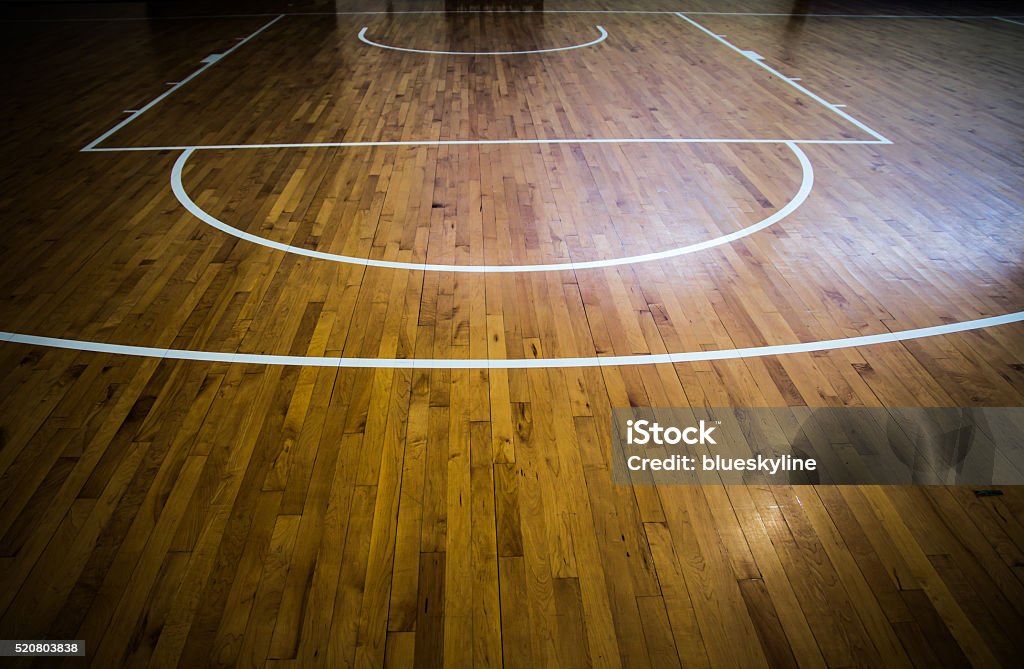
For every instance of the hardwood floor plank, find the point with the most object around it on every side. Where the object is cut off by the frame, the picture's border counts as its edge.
(301, 181)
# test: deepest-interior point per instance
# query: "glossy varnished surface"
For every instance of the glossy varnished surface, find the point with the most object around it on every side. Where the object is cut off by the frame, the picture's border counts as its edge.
(190, 513)
(312, 80)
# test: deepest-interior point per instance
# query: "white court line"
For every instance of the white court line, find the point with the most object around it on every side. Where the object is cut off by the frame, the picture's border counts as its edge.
(366, 40)
(528, 363)
(1016, 23)
(802, 89)
(848, 16)
(492, 11)
(480, 142)
(207, 64)
(879, 139)
(806, 184)
(184, 17)
(593, 361)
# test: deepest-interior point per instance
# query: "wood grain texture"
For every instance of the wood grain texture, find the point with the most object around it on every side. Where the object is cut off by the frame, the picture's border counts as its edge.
(187, 513)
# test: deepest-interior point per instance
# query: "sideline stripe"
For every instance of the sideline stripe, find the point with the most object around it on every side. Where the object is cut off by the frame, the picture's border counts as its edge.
(806, 184)
(366, 40)
(1016, 23)
(760, 63)
(542, 363)
(209, 62)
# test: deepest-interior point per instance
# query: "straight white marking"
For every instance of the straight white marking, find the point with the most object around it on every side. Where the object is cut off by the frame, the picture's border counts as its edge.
(365, 39)
(1016, 23)
(806, 184)
(839, 106)
(634, 11)
(476, 142)
(129, 111)
(795, 85)
(484, 11)
(92, 145)
(510, 11)
(848, 16)
(212, 58)
(752, 55)
(185, 17)
(544, 363)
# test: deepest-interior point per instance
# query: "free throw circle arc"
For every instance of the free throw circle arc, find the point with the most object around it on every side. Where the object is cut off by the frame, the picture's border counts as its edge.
(806, 184)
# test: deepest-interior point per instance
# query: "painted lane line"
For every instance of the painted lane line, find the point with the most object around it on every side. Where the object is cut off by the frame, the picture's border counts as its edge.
(791, 82)
(365, 39)
(1016, 23)
(208, 64)
(806, 184)
(481, 142)
(528, 363)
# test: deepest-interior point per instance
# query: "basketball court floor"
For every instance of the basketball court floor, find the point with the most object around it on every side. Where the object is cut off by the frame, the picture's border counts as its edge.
(314, 316)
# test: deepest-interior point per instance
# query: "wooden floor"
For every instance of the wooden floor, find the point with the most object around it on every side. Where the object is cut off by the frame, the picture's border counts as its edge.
(220, 511)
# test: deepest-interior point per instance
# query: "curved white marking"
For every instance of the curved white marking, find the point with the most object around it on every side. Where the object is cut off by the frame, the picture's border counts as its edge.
(365, 39)
(806, 184)
(543, 363)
